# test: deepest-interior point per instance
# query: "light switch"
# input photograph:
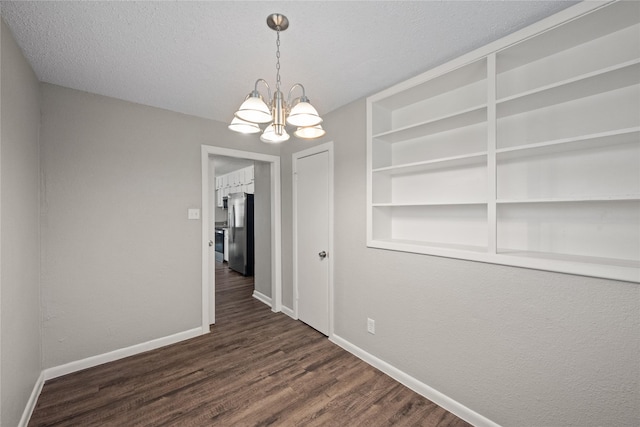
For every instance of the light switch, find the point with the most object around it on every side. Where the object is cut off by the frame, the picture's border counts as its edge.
(193, 214)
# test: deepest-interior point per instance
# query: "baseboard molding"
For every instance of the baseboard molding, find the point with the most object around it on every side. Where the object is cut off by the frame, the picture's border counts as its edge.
(262, 297)
(31, 403)
(289, 312)
(89, 362)
(419, 387)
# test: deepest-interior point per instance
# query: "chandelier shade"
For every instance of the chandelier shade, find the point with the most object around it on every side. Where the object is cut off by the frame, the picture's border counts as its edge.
(242, 126)
(277, 111)
(271, 137)
(254, 109)
(310, 132)
(303, 114)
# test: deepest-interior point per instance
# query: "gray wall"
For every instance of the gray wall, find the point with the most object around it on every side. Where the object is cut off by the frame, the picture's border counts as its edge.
(262, 210)
(20, 349)
(120, 260)
(521, 347)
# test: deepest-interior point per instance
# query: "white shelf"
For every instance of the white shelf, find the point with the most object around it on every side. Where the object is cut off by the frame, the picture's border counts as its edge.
(570, 258)
(413, 244)
(608, 268)
(456, 120)
(594, 83)
(436, 203)
(446, 162)
(608, 198)
(619, 136)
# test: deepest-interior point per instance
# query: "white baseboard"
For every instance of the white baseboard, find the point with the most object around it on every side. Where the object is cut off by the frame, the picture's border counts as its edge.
(289, 312)
(92, 361)
(89, 362)
(262, 297)
(31, 403)
(419, 387)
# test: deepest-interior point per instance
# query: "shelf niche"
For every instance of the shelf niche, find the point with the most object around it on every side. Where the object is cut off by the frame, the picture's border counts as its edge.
(525, 152)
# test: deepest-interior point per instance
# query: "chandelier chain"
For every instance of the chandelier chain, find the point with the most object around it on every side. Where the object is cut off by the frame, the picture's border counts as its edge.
(278, 60)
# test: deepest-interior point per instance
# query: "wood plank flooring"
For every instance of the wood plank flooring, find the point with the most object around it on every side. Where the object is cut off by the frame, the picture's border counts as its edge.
(256, 368)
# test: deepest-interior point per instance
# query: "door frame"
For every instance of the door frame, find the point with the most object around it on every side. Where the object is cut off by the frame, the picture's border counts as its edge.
(328, 147)
(208, 202)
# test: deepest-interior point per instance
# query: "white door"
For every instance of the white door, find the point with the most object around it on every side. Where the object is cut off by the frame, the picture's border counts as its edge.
(312, 210)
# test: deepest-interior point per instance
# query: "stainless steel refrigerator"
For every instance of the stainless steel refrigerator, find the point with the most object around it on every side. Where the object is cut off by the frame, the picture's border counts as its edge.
(240, 211)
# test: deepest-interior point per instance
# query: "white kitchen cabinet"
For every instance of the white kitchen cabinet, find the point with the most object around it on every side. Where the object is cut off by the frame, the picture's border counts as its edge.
(240, 181)
(233, 179)
(219, 201)
(247, 175)
(525, 152)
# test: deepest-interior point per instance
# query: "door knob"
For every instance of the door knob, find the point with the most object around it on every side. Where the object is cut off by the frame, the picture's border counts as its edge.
(322, 255)
(210, 243)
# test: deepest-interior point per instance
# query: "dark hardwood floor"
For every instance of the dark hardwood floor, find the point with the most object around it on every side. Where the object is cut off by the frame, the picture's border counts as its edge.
(256, 368)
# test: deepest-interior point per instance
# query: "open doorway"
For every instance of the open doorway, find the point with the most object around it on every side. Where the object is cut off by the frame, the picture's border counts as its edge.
(269, 167)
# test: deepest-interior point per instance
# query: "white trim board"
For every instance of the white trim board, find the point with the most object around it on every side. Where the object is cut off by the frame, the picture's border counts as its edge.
(31, 403)
(262, 297)
(208, 278)
(89, 362)
(440, 399)
(289, 312)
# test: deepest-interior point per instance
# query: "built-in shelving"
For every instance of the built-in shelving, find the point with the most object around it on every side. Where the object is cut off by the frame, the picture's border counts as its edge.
(525, 153)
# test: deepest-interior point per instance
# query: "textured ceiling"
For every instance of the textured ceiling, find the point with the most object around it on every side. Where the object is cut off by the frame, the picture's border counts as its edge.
(202, 58)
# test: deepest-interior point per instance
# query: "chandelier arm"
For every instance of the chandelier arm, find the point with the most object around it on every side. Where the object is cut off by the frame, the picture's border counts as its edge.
(303, 98)
(255, 89)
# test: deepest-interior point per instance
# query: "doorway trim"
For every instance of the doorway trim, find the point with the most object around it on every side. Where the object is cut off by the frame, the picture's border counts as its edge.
(208, 277)
(328, 147)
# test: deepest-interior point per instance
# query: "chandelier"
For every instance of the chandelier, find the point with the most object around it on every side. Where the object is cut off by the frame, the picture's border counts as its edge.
(298, 112)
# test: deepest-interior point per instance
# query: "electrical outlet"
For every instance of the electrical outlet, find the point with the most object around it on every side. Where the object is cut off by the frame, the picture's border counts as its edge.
(371, 326)
(193, 214)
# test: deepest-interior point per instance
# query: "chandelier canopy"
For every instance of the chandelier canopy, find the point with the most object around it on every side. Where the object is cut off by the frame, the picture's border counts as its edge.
(277, 111)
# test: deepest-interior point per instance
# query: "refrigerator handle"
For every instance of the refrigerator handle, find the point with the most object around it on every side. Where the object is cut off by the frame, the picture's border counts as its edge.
(233, 223)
